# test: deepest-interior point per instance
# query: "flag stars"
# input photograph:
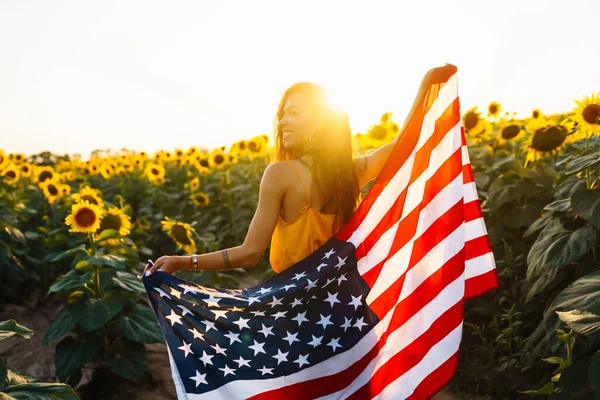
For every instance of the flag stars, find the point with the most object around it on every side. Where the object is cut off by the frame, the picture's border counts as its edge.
(188, 288)
(258, 347)
(199, 378)
(281, 356)
(163, 293)
(176, 293)
(332, 299)
(297, 277)
(279, 314)
(300, 318)
(325, 321)
(328, 282)
(242, 322)
(347, 324)
(227, 370)
(286, 287)
(265, 290)
(241, 362)
(266, 330)
(329, 253)
(334, 343)
(258, 313)
(185, 310)
(206, 358)
(275, 302)
(212, 301)
(264, 370)
(359, 323)
(252, 299)
(296, 302)
(187, 348)
(316, 341)
(235, 308)
(311, 284)
(209, 325)
(302, 360)
(233, 337)
(219, 349)
(341, 262)
(342, 278)
(219, 314)
(355, 302)
(291, 338)
(197, 335)
(321, 266)
(174, 318)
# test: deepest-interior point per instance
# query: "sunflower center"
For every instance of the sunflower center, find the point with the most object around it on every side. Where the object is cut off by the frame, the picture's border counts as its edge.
(510, 131)
(242, 145)
(535, 114)
(11, 174)
(154, 171)
(110, 221)
(180, 234)
(591, 113)
(219, 159)
(52, 190)
(471, 120)
(493, 109)
(91, 199)
(45, 175)
(200, 199)
(548, 139)
(85, 217)
(253, 146)
(204, 163)
(25, 168)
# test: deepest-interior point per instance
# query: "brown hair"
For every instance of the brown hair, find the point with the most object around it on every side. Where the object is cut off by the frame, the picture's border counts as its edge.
(332, 151)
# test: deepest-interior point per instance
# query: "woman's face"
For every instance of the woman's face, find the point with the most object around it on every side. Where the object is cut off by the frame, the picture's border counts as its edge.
(297, 122)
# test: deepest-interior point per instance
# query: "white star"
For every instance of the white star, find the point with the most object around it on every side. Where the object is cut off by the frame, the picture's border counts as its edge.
(209, 325)
(321, 266)
(265, 290)
(174, 318)
(188, 288)
(342, 278)
(355, 302)
(212, 301)
(242, 322)
(347, 324)
(265, 370)
(341, 262)
(291, 338)
(316, 341)
(187, 348)
(332, 299)
(281, 356)
(197, 335)
(325, 321)
(219, 314)
(266, 331)
(313, 297)
(301, 360)
(275, 302)
(334, 344)
(300, 318)
(241, 361)
(205, 358)
(328, 282)
(185, 310)
(296, 302)
(253, 300)
(162, 293)
(257, 347)
(286, 287)
(258, 313)
(359, 323)
(233, 337)
(299, 276)
(330, 252)
(176, 293)
(199, 378)
(235, 308)
(310, 285)
(227, 370)
(279, 314)
(219, 349)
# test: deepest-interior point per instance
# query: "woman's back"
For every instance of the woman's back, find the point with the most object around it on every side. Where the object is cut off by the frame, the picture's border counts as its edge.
(305, 221)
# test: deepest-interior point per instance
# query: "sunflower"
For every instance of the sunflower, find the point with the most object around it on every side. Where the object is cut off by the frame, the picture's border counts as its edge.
(192, 151)
(494, 109)
(107, 171)
(143, 155)
(537, 113)
(18, 157)
(26, 169)
(89, 194)
(155, 172)
(52, 190)
(508, 131)
(116, 219)
(217, 158)
(200, 199)
(473, 122)
(194, 184)
(65, 189)
(587, 113)
(84, 217)
(45, 173)
(232, 158)
(3, 159)
(179, 153)
(257, 145)
(10, 173)
(181, 233)
(544, 141)
(142, 223)
(203, 161)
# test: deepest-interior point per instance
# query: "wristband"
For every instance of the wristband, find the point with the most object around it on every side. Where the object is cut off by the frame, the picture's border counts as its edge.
(194, 261)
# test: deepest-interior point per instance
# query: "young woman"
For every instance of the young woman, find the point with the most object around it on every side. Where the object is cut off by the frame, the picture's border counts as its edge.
(311, 190)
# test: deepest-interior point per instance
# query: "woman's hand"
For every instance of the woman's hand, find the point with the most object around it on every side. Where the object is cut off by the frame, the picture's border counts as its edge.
(168, 264)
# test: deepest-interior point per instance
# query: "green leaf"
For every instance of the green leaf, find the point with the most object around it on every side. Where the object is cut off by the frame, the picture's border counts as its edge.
(111, 260)
(11, 327)
(557, 249)
(68, 281)
(108, 234)
(548, 388)
(83, 266)
(561, 205)
(130, 361)
(63, 324)
(547, 221)
(72, 354)
(3, 374)
(583, 322)
(594, 373)
(507, 193)
(586, 204)
(586, 159)
(16, 235)
(140, 326)
(548, 280)
(128, 281)
(91, 313)
(553, 360)
(68, 253)
(41, 391)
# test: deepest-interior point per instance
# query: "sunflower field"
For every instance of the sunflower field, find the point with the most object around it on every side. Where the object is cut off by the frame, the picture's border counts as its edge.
(80, 231)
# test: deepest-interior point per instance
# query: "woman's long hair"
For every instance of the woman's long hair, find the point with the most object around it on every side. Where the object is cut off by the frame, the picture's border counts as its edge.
(331, 150)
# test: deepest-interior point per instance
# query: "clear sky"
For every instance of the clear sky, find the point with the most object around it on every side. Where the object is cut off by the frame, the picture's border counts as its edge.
(147, 75)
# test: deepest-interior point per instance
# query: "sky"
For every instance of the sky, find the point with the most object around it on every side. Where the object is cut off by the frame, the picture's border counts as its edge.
(76, 76)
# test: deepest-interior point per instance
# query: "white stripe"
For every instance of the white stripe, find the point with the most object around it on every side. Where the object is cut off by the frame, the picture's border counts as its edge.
(412, 329)
(470, 192)
(436, 356)
(465, 153)
(398, 183)
(479, 265)
(179, 388)
(475, 229)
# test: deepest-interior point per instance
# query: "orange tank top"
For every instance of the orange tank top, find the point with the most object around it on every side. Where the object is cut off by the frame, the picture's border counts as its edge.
(294, 240)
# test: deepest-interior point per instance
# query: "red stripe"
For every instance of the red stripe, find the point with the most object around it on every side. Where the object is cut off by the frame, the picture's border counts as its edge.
(480, 284)
(473, 210)
(477, 247)
(468, 174)
(436, 379)
(408, 307)
(407, 140)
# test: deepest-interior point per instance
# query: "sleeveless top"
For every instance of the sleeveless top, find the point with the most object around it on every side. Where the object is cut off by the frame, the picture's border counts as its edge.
(294, 240)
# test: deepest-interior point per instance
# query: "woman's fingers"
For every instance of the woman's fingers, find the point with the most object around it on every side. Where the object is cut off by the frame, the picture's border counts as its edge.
(148, 266)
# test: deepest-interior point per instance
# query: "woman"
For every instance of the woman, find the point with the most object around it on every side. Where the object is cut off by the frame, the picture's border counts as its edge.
(311, 190)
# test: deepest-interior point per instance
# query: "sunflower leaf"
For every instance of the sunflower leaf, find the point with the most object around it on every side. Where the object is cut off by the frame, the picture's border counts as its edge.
(11, 327)
(111, 260)
(68, 253)
(108, 234)
(586, 204)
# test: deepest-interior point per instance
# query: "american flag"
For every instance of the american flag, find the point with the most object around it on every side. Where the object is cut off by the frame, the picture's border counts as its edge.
(377, 311)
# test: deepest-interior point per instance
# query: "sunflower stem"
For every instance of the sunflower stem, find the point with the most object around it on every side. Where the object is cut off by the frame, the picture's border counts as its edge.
(587, 170)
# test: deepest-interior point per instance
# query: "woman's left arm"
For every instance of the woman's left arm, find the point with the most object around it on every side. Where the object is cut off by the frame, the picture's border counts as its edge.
(271, 193)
